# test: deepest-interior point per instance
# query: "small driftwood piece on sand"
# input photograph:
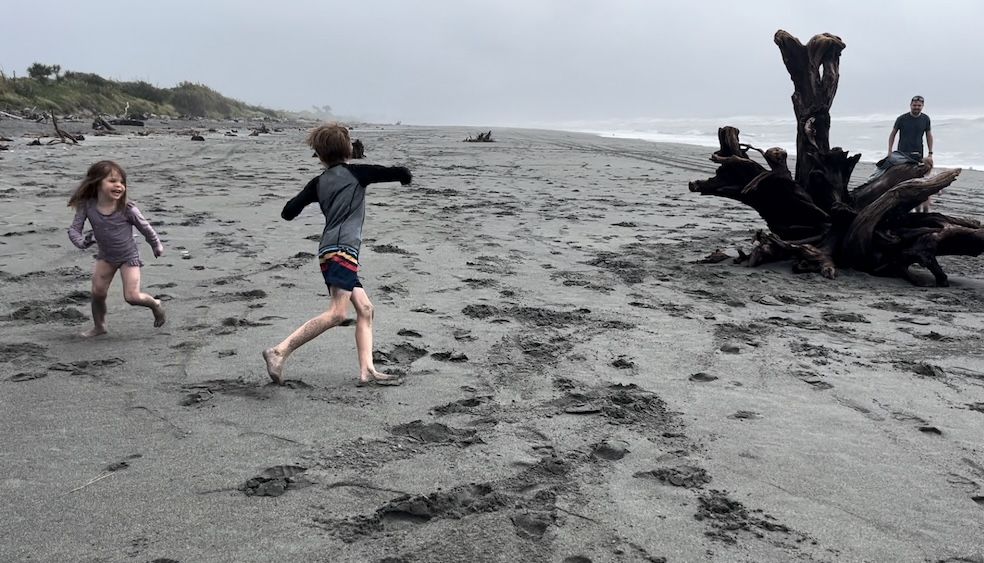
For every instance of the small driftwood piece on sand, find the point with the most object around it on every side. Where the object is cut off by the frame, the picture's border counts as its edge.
(130, 122)
(358, 149)
(11, 116)
(481, 138)
(813, 219)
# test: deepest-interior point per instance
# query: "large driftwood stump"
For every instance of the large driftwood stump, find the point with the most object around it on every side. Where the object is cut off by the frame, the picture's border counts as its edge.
(813, 219)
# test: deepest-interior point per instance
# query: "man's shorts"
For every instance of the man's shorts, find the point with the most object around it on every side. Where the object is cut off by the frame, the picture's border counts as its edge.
(337, 275)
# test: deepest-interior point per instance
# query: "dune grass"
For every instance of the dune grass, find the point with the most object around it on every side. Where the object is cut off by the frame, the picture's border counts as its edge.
(80, 92)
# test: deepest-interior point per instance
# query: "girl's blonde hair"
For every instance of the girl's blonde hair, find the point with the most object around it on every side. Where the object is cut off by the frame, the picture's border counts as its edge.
(89, 188)
(331, 142)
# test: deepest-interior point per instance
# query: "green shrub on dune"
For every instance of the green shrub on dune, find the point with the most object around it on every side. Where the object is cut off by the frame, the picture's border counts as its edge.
(48, 90)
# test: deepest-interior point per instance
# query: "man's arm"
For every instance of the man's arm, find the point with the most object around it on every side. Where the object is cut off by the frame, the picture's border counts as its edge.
(297, 204)
(373, 173)
(891, 139)
(929, 147)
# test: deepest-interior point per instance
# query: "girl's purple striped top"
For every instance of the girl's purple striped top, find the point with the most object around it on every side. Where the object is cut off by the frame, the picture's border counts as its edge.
(113, 232)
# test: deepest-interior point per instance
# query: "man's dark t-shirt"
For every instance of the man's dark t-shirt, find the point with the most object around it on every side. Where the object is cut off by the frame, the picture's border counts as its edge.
(911, 129)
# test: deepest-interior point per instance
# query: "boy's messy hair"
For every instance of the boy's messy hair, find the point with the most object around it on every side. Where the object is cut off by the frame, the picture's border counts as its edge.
(331, 142)
(89, 188)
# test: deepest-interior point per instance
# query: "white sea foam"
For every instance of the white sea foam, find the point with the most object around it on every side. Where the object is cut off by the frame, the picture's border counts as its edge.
(958, 137)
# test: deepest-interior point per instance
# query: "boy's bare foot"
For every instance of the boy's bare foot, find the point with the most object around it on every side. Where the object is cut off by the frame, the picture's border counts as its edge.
(378, 378)
(159, 318)
(274, 365)
(94, 331)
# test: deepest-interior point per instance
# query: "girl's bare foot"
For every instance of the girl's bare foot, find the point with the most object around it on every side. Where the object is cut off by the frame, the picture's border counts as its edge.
(158, 310)
(274, 365)
(94, 331)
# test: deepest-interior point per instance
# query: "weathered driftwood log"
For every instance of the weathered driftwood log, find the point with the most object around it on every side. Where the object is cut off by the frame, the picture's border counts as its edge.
(100, 124)
(63, 136)
(481, 138)
(814, 220)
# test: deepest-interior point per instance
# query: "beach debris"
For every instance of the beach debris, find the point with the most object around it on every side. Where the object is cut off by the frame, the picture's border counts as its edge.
(90, 482)
(275, 481)
(714, 257)
(481, 138)
(813, 219)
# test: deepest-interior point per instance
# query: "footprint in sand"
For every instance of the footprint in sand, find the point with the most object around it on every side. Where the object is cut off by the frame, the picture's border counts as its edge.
(687, 476)
(532, 525)
(436, 433)
(454, 357)
(812, 378)
(611, 450)
(400, 354)
(701, 377)
(275, 481)
(745, 415)
(27, 376)
(234, 387)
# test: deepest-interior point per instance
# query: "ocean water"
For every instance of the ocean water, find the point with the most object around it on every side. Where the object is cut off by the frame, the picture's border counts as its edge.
(958, 139)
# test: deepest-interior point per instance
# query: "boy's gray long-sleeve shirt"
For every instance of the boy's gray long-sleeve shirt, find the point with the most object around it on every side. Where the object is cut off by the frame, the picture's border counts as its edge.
(341, 192)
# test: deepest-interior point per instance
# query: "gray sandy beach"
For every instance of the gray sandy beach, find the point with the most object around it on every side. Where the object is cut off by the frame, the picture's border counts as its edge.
(580, 385)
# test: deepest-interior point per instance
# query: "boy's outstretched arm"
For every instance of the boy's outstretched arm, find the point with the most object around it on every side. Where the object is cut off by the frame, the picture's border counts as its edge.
(297, 204)
(373, 173)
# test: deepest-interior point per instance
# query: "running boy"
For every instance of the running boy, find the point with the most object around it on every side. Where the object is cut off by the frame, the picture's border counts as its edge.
(341, 193)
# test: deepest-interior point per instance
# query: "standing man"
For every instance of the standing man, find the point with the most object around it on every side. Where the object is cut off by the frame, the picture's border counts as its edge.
(910, 128)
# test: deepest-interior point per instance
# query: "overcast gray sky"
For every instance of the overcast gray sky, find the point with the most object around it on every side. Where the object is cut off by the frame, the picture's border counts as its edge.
(510, 61)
